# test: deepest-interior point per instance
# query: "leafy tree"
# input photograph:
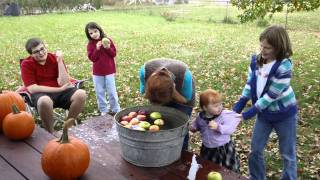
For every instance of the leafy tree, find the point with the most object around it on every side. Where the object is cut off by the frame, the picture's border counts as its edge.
(254, 9)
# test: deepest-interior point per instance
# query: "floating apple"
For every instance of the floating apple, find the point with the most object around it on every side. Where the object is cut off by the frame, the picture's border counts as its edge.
(214, 176)
(134, 121)
(124, 123)
(144, 124)
(126, 118)
(142, 112)
(159, 122)
(155, 115)
(129, 126)
(132, 114)
(141, 117)
(154, 128)
(138, 128)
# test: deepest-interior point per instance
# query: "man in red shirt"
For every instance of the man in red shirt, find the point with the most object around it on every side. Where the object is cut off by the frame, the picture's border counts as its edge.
(46, 78)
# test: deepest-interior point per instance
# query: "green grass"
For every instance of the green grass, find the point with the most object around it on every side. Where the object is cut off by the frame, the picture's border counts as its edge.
(217, 53)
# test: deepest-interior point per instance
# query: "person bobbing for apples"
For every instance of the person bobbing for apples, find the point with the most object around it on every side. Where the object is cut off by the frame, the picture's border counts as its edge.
(102, 51)
(170, 83)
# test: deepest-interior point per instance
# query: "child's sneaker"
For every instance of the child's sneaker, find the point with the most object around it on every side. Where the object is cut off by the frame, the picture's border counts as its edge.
(103, 113)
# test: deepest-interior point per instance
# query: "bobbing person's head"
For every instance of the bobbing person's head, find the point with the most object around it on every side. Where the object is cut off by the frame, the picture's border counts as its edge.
(159, 87)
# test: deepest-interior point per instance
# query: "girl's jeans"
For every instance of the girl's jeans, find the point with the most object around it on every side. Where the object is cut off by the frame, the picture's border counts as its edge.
(101, 85)
(286, 132)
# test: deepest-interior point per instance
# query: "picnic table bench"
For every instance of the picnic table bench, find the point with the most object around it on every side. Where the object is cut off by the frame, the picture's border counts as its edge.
(22, 159)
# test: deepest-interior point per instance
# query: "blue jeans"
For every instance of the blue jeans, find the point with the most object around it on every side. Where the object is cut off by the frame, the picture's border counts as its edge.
(286, 132)
(101, 85)
(187, 110)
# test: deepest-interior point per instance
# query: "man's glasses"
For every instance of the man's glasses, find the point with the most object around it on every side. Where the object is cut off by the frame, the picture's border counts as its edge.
(42, 49)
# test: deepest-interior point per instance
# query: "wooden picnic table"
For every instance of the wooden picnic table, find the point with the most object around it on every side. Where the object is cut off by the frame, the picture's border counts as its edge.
(22, 159)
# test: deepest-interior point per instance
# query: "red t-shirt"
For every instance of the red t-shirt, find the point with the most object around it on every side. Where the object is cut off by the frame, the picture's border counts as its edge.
(34, 73)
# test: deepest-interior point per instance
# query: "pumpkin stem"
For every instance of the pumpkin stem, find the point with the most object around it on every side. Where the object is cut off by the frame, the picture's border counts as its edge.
(15, 109)
(64, 137)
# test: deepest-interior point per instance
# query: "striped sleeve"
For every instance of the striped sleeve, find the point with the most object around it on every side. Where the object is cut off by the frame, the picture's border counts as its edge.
(279, 84)
(245, 96)
(246, 90)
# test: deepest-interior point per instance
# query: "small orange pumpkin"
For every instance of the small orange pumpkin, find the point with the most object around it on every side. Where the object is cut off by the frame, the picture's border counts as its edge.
(65, 158)
(18, 125)
(7, 99)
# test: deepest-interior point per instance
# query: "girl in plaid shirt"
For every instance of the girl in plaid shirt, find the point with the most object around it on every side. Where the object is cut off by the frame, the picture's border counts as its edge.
(274, 102)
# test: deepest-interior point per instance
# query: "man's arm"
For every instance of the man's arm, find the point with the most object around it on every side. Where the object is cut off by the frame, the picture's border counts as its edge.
(34, 88)
(63, 76)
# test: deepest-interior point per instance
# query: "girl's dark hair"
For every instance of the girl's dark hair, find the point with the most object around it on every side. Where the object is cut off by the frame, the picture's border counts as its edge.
(32, 43)
(278, 38)
(93, 25)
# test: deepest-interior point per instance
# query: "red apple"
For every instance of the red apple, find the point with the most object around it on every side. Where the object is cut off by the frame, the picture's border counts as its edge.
(154, 128)
(141, 117)
(142, 112)
(134, 121)
(126, 118)
(124, 123)
(132, 114)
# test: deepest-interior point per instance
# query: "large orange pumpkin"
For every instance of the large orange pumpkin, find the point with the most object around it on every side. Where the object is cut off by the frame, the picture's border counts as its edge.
(18, 125)
(7, 99)
(65, 158)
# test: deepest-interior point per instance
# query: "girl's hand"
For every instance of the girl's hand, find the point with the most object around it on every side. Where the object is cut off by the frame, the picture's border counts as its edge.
(106, 43)
(213, 125)
(98, 45)
(239, 116)
(59, 55)
(191, 128)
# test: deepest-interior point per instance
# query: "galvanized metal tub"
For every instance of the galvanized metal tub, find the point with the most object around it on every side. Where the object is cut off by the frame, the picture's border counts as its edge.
(153, 149)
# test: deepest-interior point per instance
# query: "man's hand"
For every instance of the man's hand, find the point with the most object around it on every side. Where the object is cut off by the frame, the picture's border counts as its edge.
(66, 86)
(59, 56)
(213, 125)
(98, 45)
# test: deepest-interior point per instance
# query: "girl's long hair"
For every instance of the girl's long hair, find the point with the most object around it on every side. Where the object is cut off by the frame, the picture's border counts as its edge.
(93, 25)
(278, 38)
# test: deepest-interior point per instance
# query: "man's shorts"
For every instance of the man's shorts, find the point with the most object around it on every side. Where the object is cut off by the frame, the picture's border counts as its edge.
(60, 99)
